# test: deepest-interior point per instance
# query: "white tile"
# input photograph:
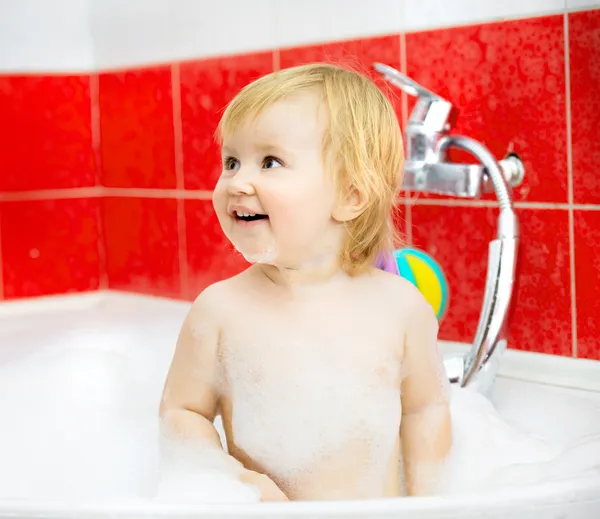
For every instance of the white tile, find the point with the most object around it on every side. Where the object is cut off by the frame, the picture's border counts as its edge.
(45, 36)
(424, 14)
(205, 27)
(311, 21)
(131, 32)
(137, 32)
(581, 4)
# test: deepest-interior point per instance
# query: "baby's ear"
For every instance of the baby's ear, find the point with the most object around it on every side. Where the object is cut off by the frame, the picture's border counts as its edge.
(349, 206)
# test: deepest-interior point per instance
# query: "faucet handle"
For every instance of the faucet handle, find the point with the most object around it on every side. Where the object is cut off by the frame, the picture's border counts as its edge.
(402, 81)
(432, 113)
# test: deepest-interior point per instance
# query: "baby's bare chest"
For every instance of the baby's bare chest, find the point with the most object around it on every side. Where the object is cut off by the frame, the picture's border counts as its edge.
(311, 381)
(312, 349)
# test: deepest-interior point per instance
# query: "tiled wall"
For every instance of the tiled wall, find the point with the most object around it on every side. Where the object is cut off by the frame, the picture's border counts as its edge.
(106, 178)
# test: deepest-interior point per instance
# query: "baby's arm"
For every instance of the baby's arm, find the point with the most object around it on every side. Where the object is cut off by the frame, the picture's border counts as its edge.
(189, 440)
(425, 431)
(190, 397)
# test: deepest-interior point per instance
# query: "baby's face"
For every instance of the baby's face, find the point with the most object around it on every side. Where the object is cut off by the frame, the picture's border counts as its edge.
(274, 198)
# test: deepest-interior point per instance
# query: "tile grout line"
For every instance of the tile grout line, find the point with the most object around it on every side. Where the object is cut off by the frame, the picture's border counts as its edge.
(52, 194)
(97, 150)
(1, 264)
(177, 127)
(416, 200)
(541, 205)
(199, 194)
(403, 110)
(95, 125)
(404, 70)
(182, 243)
(179, 177)
(102, 250)
(408, 222)
(182, 194)
(573, 293)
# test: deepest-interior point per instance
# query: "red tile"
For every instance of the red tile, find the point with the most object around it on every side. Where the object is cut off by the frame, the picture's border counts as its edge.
(206, 88)
(460, 245)
(584, 56)
(587, 283)
(136, 126)
(346, 53)
(45, 135)
(1, 257)
(457, 238)
(359, 55)
(541, 320)
(386, 50)
(142, 246)
(210, 255)
(508, 81)
(49, 246)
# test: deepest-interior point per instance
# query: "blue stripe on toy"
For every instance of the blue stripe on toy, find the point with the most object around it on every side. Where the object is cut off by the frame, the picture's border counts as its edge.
(404, 268)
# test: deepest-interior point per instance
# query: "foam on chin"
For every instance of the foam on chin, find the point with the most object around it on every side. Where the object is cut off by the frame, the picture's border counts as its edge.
(268, 255)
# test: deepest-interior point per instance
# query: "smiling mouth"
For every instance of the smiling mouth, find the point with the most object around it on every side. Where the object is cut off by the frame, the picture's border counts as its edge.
(249, 217)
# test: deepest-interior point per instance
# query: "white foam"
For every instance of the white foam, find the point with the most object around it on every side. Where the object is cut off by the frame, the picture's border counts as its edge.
(205, 487)
(489, 454)
(266, 256)
(79, 422)
(66, 411)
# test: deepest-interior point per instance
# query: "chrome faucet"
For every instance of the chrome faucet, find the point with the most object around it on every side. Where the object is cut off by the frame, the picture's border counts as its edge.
(427, 170)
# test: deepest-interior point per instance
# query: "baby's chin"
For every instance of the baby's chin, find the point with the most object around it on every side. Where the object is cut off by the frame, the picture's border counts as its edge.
(267, 255)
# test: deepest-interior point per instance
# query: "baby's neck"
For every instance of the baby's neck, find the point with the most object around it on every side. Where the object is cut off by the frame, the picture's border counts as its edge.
(303, 277)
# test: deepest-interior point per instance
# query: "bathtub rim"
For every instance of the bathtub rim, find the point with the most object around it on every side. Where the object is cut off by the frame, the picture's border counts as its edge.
(543, 368)
(580, 374)
(577, 491)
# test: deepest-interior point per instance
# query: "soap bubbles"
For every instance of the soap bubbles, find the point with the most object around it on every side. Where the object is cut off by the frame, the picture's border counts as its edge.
(80, 423)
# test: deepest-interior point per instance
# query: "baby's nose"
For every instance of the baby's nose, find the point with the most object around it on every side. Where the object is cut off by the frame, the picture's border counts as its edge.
(242, 183)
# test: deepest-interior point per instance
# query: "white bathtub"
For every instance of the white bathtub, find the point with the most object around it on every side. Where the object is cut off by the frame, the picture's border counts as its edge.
(558, 398)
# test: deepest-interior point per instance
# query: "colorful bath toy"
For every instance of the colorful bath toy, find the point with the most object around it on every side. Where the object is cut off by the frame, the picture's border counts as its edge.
(423, 272)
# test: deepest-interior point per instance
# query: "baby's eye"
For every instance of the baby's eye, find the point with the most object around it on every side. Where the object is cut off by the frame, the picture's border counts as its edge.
(271, 162)
(231, 163)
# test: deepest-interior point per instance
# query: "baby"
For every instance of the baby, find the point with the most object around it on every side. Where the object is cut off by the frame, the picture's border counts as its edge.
(323, 368)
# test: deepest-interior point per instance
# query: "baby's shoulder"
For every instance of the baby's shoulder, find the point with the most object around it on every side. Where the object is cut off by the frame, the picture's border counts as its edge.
(401, 296)
(217, 297)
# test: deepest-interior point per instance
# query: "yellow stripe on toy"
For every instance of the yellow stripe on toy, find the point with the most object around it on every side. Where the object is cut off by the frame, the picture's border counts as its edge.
(422, 271)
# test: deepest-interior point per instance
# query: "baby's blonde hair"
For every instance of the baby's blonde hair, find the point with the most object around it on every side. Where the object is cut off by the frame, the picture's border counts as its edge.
(362, 146)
